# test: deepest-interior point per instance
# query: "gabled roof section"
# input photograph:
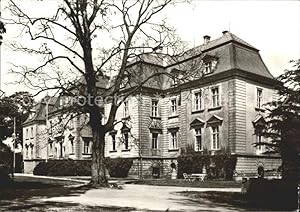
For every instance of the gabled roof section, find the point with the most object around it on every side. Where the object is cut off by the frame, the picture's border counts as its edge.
(125, 128)
(259, 121)
(214, 120)
(197, 123)
(39, 110)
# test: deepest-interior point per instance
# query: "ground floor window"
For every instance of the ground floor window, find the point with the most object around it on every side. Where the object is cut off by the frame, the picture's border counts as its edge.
(51, 148)
(259, 138)
(198, 139)
(154, 141)
(86, 147)
(125, 137)
(215, 137)
(174, 140)
(113, 142)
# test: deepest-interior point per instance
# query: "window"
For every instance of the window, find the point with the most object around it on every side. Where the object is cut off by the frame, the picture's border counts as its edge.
(61, 153)
(62, 102)
(32, 152)
(72, 146)
(259, 96)
(71, 123)
(259, 138)
(26, 151)
(31, 132)
(154, 108)
(174, 141)
(215, 138)
(175, 81)
(113, 142)
(27, 133)
(198, 139)
(215, 97)
(86, 147)
(197, 101)
(154, 141)
(207, 67)
(51, 148)
(173, 106)
(126, 111)
(126, 146)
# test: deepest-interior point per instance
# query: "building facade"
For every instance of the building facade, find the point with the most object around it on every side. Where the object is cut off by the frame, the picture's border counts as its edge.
(213, 102)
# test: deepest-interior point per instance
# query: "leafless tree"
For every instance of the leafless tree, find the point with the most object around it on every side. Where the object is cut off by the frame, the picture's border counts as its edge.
(93, 41)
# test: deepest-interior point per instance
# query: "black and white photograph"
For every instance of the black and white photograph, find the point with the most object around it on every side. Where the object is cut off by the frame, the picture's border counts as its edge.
(149, 105)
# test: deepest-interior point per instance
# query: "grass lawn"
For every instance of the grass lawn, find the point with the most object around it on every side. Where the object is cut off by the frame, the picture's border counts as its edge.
(183, 183)
(25, 194)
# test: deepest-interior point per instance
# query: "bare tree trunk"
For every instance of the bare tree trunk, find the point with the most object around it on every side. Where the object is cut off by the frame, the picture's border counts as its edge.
(98, 159)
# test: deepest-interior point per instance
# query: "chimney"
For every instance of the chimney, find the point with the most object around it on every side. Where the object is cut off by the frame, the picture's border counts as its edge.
(225, 32)
(206, 39)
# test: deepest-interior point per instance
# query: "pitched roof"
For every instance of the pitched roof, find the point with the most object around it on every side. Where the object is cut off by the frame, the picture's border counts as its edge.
(226, 38)
(234, 53)
(214, 120)
(259, 120)
(197, 122)
(39, 110)
(229, 51)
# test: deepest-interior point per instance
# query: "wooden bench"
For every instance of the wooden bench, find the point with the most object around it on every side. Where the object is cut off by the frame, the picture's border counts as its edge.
(200, 177)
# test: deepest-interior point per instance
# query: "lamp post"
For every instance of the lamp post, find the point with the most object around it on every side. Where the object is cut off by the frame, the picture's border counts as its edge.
(47, 128)
(14, 149)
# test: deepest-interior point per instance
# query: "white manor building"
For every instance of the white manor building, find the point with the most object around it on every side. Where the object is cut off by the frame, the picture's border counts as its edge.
(220, 110)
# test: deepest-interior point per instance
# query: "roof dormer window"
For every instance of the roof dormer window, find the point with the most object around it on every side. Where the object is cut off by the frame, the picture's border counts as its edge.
(207, 67)
(32, 114)
(210, 63)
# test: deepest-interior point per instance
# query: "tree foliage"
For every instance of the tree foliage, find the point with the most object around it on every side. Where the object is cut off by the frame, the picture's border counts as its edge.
(283, 120)
(16, 106)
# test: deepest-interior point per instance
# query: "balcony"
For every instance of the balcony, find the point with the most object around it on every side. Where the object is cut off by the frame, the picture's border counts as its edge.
(155, 152)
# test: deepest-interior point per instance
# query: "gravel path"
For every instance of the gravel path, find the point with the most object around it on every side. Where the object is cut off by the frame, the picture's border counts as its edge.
(144, 197)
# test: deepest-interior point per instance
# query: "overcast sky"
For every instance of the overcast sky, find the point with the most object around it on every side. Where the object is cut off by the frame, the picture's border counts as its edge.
(273, 27)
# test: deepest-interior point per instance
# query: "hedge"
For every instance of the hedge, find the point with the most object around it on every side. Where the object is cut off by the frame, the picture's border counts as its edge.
(117, 167)
(216, 166)
(4, 175)
(63, 168)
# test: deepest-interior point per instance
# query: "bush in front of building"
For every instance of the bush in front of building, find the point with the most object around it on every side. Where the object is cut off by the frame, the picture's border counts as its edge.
(4, 175)
(118, 167)
(219, 166)
(279, 194)
(63, 168)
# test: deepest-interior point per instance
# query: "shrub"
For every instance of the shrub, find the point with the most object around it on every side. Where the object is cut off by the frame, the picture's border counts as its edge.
(280, 194)
(41, 169)
(216, 166)
(119, 167)
(4, 175)
(63, 168)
